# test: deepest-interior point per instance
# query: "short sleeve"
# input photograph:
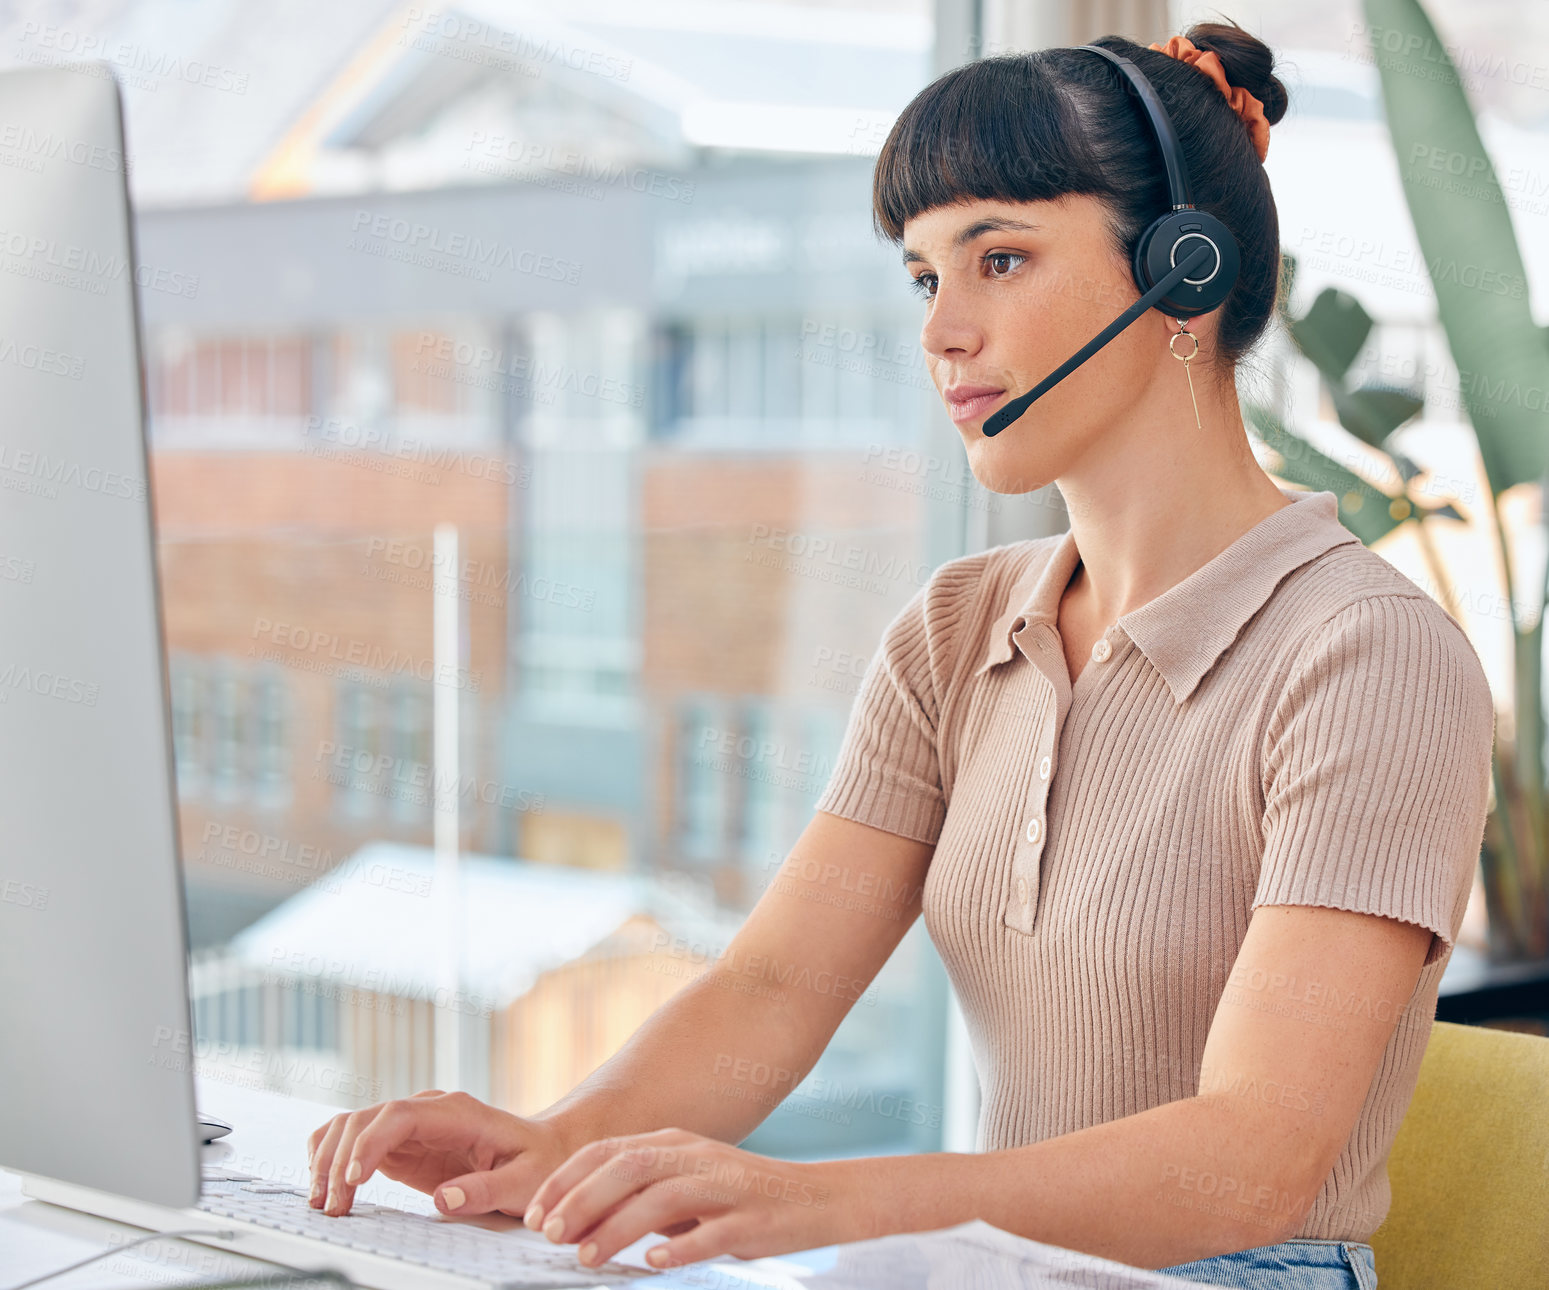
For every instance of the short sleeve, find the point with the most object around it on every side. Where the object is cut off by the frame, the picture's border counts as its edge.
(1377, 763)
(888, 771)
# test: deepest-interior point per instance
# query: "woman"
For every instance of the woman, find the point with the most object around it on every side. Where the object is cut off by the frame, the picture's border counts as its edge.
(1189, 796)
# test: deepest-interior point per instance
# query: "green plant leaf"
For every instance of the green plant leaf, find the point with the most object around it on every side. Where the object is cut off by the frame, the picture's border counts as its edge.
(1332, 332)
(1464, 229)
(1363, 508)
(1373, 412)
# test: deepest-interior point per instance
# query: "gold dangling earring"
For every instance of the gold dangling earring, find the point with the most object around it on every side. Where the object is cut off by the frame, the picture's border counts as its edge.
(1185, 359)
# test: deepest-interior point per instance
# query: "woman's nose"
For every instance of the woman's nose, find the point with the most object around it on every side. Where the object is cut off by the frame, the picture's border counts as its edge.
(953, 326)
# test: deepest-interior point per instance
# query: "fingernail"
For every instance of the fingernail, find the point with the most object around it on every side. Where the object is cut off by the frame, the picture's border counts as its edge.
(452, 1197)
(657, 1256)
(534, 1215)
(352, 1174)
(554, 1228)
(587, 1252)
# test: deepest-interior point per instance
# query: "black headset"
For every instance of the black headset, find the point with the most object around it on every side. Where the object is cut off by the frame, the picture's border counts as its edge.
(1160, 245)
(1183, 242)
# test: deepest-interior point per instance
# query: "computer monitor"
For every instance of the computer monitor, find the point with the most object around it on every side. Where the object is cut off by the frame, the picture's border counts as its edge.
(96, 1048)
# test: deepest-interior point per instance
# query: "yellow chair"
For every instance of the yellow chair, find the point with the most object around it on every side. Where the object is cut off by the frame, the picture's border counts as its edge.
(1470, 1167)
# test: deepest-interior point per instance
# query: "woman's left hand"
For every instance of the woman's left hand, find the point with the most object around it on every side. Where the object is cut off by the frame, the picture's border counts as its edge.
(710, 1197)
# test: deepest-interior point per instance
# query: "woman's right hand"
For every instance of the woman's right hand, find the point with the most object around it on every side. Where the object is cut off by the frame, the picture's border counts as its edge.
(434, 1141)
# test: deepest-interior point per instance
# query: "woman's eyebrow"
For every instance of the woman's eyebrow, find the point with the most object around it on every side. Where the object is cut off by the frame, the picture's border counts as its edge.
(968, 232)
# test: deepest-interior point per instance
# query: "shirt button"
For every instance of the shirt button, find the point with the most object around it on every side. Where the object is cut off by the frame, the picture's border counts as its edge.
(1043, 769)
(1034, 829)
(1102, 649)
(1021, 890)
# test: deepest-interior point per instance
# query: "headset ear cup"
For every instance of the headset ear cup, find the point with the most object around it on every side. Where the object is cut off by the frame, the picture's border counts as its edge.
(1177, 234)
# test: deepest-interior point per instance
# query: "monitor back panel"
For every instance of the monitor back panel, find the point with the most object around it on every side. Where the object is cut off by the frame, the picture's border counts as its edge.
(96, 1082)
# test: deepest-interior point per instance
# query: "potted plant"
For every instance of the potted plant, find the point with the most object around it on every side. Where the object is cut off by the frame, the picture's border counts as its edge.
(1502, 356)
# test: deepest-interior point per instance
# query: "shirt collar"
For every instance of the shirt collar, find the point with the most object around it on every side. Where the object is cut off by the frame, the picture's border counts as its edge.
(1185, 629)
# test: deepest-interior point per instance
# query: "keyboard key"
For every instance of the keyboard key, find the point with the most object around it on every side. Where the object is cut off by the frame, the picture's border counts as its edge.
(517, 1256)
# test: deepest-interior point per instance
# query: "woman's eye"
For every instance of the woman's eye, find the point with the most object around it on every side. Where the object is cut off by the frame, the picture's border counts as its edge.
(919, 287)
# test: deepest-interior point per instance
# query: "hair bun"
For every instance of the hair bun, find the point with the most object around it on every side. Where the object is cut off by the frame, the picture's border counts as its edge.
(1247, 61)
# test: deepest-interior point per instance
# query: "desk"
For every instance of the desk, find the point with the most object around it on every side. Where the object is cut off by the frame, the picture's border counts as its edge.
(269, 1139)
(1474, 990)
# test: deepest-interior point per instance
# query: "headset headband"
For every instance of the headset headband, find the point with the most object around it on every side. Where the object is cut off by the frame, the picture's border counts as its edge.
(1161, 125)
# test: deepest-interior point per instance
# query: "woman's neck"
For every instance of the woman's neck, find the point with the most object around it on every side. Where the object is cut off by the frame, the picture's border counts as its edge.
(1150, 506)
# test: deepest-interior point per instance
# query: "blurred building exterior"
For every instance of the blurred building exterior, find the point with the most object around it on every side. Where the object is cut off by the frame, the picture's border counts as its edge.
(598, 286)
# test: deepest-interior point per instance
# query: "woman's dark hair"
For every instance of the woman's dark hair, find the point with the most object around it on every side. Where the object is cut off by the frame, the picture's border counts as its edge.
(1038, 125)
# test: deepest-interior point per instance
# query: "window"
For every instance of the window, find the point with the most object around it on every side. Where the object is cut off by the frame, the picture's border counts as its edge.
(270, 764)
(231, 731)
(255, 389)
(657, 400)
(579, 656)
(410, 749)
(775, 381)
(382, 766)
(188, 725)
(763, 791)
(701, 783)
(357, 780)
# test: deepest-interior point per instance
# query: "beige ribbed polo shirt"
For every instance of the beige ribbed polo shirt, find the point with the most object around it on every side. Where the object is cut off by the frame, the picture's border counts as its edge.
(1294, 723)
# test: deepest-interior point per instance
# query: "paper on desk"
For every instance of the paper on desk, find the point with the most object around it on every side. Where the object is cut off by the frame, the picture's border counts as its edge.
(970, 1256)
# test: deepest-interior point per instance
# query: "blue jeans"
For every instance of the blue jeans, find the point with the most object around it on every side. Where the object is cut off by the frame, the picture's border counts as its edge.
(1302, 1264)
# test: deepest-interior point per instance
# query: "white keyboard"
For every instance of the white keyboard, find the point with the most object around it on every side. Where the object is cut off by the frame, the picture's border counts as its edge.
(504, 1254)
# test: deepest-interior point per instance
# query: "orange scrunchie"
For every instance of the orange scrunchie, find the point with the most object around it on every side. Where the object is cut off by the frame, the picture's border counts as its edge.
(1249, 109)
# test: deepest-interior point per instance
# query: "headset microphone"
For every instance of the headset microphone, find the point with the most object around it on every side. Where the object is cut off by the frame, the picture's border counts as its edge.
(1163, 281)
(1003, 417)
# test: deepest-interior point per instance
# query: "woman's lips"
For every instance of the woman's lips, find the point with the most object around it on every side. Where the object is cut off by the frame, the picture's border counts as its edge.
(974, 408)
